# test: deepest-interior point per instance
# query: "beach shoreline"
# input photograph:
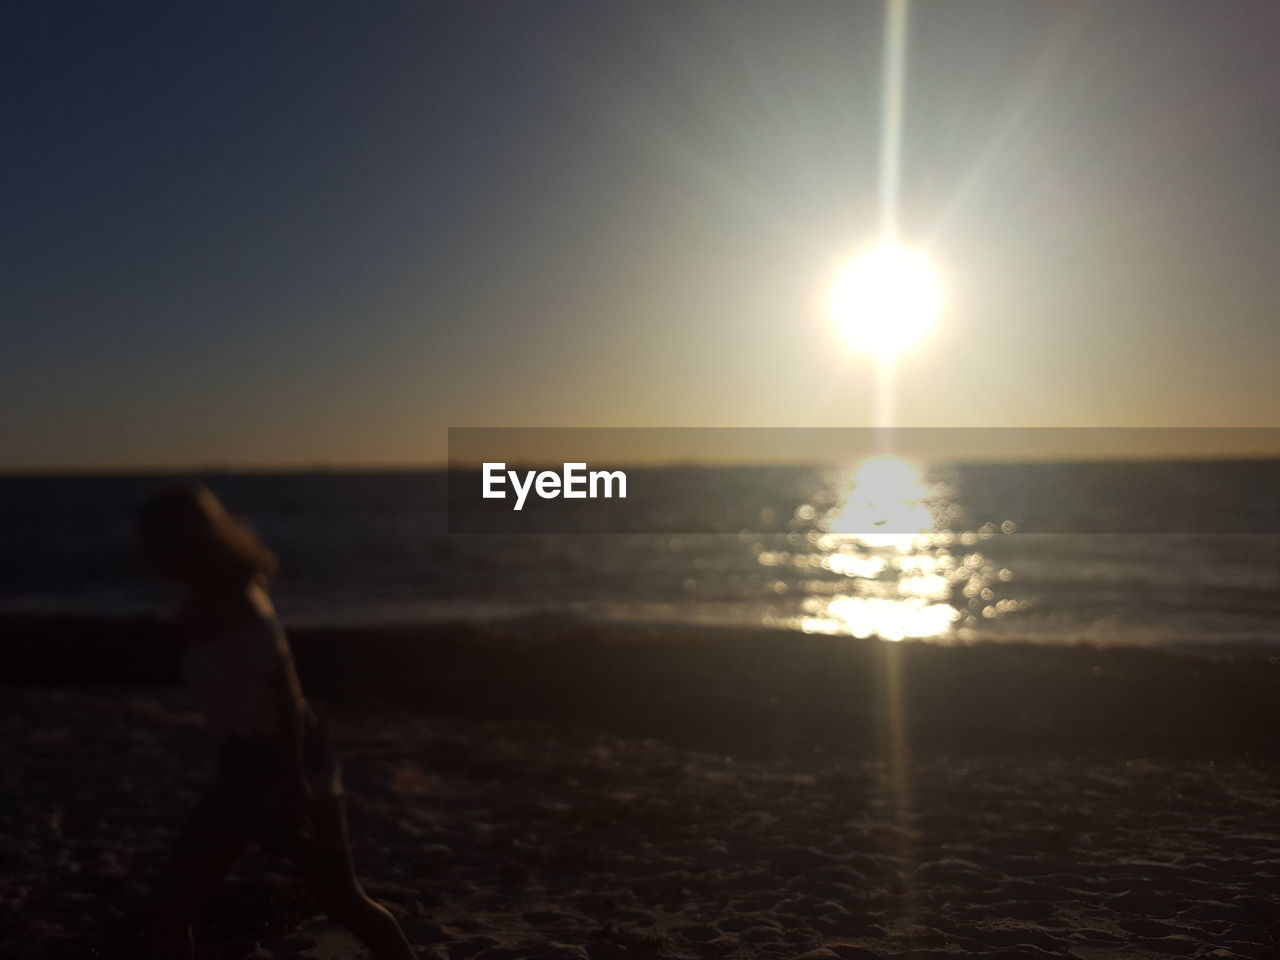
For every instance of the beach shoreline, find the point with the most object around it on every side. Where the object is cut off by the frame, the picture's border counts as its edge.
(764, 691)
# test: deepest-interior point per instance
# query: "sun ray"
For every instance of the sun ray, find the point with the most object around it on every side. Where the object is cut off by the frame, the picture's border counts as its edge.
(892, 298)
(893, 83)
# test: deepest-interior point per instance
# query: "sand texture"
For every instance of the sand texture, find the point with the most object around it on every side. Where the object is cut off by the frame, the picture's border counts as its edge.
(496, 840)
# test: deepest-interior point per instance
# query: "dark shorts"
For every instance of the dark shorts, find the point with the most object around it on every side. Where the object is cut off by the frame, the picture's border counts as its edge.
(251, 782)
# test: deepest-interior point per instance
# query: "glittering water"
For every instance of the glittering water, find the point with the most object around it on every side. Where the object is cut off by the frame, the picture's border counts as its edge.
(1181, 554)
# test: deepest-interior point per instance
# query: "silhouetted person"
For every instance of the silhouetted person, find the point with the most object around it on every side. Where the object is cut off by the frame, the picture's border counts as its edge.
(278, 782)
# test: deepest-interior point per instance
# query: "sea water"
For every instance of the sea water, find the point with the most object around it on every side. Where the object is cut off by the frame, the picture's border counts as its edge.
(1183, 555)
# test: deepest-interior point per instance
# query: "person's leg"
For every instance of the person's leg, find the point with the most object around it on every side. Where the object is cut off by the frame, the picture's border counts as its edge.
(326, 866)
(207, 848)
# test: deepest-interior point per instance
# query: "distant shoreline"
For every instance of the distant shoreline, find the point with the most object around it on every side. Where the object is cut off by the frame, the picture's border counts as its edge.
(179, 471)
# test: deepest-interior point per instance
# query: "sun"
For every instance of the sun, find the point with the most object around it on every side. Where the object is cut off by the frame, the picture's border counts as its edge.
(886, 298)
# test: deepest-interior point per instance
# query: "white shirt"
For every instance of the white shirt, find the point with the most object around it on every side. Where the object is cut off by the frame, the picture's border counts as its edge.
(232, 677)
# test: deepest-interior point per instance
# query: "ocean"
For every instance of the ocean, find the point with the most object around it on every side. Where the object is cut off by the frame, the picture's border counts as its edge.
(1182, 555)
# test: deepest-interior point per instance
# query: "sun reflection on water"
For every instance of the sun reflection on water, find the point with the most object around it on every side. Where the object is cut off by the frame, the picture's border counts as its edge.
(888, 556)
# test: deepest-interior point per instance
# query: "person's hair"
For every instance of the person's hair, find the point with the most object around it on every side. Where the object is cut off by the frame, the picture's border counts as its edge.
(188, 536)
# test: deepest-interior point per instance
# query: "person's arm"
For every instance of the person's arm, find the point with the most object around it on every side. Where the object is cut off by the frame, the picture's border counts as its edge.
(279, 749)
(290, 717)
(290, 732)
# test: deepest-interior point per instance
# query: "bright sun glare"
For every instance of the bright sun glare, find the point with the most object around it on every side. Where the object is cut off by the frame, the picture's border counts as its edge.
(886, 298)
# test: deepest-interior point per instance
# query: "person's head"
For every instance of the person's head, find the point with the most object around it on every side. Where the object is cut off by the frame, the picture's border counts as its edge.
(188, 536)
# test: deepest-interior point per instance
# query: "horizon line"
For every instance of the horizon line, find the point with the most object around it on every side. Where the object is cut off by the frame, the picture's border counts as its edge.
(445, 465)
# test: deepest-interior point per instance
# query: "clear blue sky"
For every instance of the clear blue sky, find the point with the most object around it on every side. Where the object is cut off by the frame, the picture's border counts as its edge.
(252, 234)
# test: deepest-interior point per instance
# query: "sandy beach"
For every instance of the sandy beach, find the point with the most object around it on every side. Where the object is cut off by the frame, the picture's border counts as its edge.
(513, 821)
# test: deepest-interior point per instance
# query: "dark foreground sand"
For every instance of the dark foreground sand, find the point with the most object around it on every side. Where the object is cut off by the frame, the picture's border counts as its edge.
(680, 797)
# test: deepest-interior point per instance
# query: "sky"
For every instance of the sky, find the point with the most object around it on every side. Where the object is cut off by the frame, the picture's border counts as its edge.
(309, 234)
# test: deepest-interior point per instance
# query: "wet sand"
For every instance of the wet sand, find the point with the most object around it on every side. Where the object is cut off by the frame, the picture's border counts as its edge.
(568, 794)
